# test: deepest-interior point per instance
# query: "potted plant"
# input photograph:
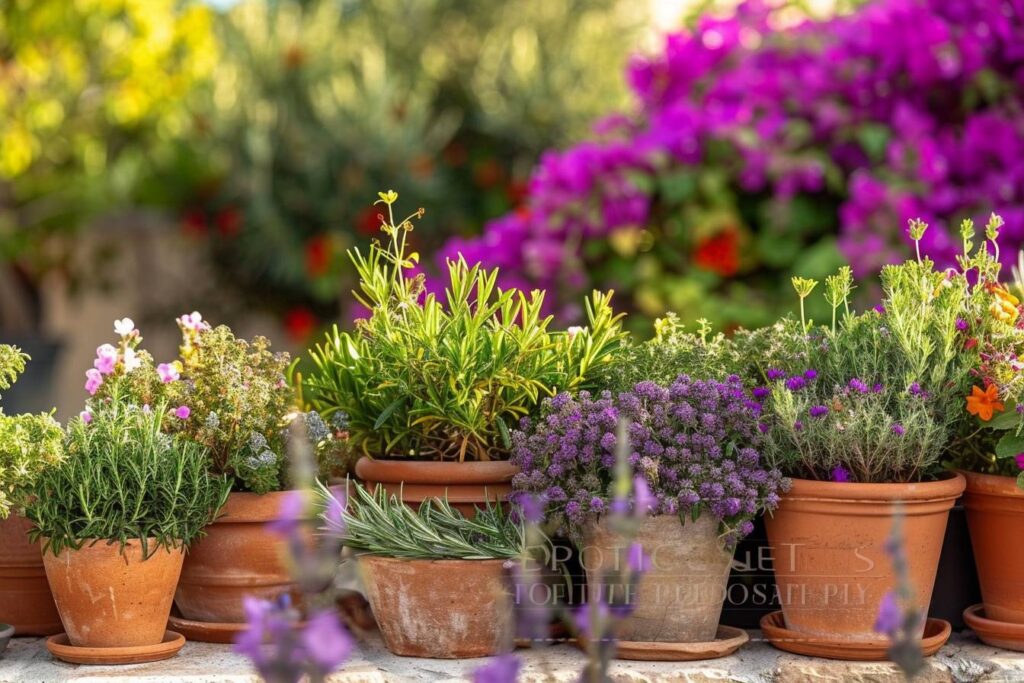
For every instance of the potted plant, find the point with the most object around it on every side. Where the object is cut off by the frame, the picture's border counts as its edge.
(28, 445)
(437, 581)
(433, 385)
(989, 449)
(233, 399)
(115, 518)
(859, 414)
(700, 481)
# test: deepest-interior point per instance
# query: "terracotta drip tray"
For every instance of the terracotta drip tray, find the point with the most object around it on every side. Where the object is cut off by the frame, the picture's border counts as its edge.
(936, 633)
(206, 631)
(1002, 634)
(61, 648)
(727, 641)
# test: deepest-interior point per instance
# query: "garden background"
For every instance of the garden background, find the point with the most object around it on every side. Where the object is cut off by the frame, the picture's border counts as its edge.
(158, 156)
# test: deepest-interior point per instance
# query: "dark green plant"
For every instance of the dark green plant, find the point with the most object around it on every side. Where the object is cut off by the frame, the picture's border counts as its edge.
(123, 479)
(28, 443)
(448, 378)
(381, 524)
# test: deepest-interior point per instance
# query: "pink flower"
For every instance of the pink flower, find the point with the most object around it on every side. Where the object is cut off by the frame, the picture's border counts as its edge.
(85, 416)
(93, 381)
(168, 372)
(193, 321)
(182, 412)
(146, 410)
(106, 359)
(1020, 460)
(131, 360)
(124, 327)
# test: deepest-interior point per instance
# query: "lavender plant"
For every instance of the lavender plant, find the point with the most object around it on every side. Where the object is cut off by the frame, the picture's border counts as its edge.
(695, 444)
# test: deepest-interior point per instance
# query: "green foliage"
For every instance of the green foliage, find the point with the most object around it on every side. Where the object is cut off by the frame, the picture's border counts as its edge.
(28, 443)
(124, 478)
(238, 399)
(448, 380)
(380, 524)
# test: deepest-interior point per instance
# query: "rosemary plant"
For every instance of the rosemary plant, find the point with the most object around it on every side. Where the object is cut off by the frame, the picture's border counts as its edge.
(123, 479)
(382, 525)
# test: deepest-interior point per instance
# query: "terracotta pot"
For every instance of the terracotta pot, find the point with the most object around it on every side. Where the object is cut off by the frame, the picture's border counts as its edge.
(827, 541)
(237, 557)
(995, 513)
(467, 484)
(679, 598)
(445, 609)
(109, 597)
(26, 602)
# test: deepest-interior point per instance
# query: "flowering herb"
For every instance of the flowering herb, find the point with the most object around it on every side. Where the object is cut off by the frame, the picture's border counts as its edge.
(694, 444)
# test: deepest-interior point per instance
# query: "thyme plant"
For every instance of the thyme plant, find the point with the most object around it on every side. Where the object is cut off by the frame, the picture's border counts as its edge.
(382, 525)
(446, 378)
(123, 478)
(28, 443)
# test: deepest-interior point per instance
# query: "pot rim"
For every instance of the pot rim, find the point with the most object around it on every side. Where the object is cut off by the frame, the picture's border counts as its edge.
(948, 487)
(245, 506)
(406, 471)
(991, 484)
(373, 557)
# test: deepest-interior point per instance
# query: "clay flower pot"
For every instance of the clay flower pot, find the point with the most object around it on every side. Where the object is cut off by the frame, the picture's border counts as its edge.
(109, 597)
(237, 557)
(679, 598)
(26, 602)
(828, 550)
(445, 609)
(995, 513)
(467, 484)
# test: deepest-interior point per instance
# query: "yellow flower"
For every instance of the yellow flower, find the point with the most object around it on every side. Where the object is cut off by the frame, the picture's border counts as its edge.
(1004, 305)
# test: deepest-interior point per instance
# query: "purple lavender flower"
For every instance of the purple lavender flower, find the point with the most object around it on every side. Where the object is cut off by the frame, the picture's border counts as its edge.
(796, 383)
(798, 426)
(818, 411)
(879, 309)
(858, 385)
(898, 429)
(774, 374)
(293, 505)
(961, 324)
(325, 641)
(761, 393)
(636, 559)
(810, 375)
(502, 669)
(840, 474)
(889, 615)
(877, 388)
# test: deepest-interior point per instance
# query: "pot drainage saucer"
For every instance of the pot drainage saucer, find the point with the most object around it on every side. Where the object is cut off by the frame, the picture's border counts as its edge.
(936, 633)
(206, 631)
(6, 632)
(727, 640)
(61, 648)
(1002, 634)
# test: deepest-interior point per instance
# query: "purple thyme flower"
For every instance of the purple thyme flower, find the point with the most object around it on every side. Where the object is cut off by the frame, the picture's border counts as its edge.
(877, 388)
(840, 474)
(879, 309)
(858, 385)
(502, 669)
(774, 374)
(325, 641)
(961, 324)
(818, 411)
(761, 393)
(811, 374)
(898, 429)
(796, 383)
(798, 426)
(915, 389)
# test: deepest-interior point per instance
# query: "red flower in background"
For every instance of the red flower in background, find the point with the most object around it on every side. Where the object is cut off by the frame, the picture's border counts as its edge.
(318, 255)
(369, 221)
(229, 221)
(193, 223)
(300, 323)
(719, 253)
(488, 173)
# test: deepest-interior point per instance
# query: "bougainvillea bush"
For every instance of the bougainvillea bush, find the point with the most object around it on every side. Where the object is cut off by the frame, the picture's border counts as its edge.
(694, 442)
(754, 153)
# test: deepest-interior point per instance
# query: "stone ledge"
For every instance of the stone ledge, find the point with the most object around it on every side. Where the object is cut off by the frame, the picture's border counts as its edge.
(963, 660)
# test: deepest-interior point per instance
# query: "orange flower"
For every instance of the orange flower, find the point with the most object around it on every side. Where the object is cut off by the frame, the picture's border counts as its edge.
(984, 402)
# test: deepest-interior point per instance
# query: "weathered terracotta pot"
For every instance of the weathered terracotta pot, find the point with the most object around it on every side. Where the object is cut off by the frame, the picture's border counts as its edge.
(237, 557)
(445, 609)
(995, 515)
(26, 602)
(828, 554)
(679, 598)
(113, 598)
(467, 484)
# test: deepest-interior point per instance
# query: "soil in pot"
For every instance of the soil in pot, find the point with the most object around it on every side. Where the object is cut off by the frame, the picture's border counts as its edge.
(110, 597)
(679, 598)
(995, 513)
(466, 484)
(444, 609)
(26, 602)
(237, 557)
(828, 550)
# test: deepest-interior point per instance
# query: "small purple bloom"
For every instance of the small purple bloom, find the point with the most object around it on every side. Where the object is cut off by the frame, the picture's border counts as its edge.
(818, 411)
(888, 620)
(798, 426)
(774, 374)
(325, 641)
(762, 427)
(644, 501)
(761, 393)
(877, 388)
(502, 669)
(840, 474)
(636, 559)
(811, 375)
(182, 412)
(85, 416)
(879, 309)
(858, 385)
(293, 505)
(915, 389)
(898, 429)
(796, 383)
(961, 324)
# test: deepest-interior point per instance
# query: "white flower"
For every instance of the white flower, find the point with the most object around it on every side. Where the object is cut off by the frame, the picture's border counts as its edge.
(124, 326)
(131, 360)
(574, 330)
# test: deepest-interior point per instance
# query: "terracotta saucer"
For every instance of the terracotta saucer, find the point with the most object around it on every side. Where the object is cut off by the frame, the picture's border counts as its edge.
(1002, 634)
(727, 640)
(6, 632)
(61, 648)
(206, 631)
(936, 633)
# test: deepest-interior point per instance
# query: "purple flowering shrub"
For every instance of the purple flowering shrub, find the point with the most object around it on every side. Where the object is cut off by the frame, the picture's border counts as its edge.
(695, 443)
(753, 152)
